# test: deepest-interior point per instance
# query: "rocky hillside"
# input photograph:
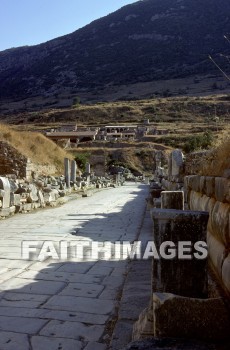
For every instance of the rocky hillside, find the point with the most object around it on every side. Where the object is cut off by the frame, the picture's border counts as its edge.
(145, 41)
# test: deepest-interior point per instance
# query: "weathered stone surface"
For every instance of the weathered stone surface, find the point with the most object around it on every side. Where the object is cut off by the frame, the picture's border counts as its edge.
(13, 186)
(12, 341)
(67, 172)
(195, 200)
(177, 160)
(15, 324)
(121, 335)
(209, 188)
(72, 316)
(74, 330)
(5, 193)
(193, 182)
(222, 189)
(187, 277)
(95, 346)
(87, 168)
(216, 251)
(33, 287)
(219, 222)
(32, 197)
(51, 343)
(82, 290)
(172, 200)
(144, 326)
(81, 304)
(176, 316)
(73, 172)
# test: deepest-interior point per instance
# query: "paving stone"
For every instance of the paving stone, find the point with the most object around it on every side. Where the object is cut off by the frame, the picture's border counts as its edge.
(83, 290)
(100, 270)
(113, 281)
(12, 341)
(30, 286)
(22, 312)
(23, 300)
(89, 305)
(78, 267)
(95, 346)
(49, 343)
(73, 330)
(110, 293)
(98, 218)
(74, 316)
(62, 276)
(21, 325)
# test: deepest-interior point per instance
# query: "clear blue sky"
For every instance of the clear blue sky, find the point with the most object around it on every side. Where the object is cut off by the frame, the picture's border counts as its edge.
(30, 22)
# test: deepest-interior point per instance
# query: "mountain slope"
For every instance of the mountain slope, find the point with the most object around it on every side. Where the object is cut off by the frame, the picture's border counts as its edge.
(144, 41)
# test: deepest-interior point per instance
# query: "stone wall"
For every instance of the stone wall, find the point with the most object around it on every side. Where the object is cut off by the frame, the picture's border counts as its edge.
(14, 163)
(212, 194)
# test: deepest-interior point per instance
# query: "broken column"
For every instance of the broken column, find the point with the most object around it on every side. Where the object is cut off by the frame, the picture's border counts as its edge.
(185, 274)
(73, 171)
(87, 171)
(67, 172)
(172, 200)
(87, 168)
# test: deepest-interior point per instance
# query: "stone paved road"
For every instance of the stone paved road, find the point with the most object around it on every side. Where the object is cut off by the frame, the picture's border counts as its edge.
(66, 304)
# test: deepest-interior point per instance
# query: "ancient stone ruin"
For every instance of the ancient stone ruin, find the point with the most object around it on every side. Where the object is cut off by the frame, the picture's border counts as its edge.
(189, 297)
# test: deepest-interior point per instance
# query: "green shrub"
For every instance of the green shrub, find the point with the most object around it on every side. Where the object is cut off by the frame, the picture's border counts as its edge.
(197, 142)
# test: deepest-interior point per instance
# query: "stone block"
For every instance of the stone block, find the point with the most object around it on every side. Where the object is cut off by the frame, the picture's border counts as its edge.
(53, 343)
(11, 340)
(195, 200)
(17, 200)
(74, 330)
(187, 277)
(206, 203)
(194, 182)
(177, 161)
(209, 188)
(219, 222)
(172, 200)
(4, 212)
(27, 207)
(176, 316)
(41, 199)
(222, 189)
(216, 251)
(202, 184)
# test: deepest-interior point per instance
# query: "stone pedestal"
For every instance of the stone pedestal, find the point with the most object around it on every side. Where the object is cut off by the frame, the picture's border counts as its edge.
(5, 192)
(73, 171)
(67, 172)
(172, 200)
(185, 276)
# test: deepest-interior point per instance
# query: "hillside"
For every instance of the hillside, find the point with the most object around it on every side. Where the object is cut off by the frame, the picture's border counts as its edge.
(34, 146)
(146, 41)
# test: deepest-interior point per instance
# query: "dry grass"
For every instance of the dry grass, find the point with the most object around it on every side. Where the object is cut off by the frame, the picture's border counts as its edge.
(216, 161)
(34, 146)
